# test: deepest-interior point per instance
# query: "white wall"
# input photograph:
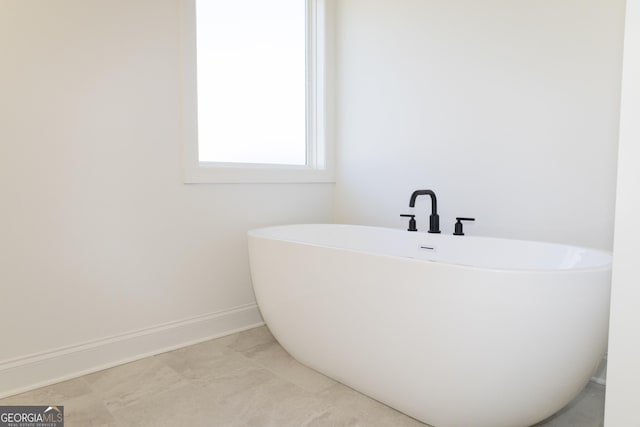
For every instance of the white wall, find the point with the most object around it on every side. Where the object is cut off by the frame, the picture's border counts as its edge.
(99, 236)
(624, 338)
(508, 110)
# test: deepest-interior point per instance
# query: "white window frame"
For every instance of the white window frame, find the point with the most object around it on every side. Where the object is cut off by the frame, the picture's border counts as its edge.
(319, 167)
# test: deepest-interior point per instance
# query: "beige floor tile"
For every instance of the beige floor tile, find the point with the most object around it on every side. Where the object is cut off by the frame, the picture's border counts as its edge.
(586, 410)
(345, 418)
(185, 406)
(87, 410)
(205, 361)
(272, 356)
(355, 409)
(55, 394)
(128, 384)
(259, 398)
(247, 339)
(229, 385)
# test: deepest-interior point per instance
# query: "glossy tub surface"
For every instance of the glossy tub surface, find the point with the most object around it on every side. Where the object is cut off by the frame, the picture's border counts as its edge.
(455, 331)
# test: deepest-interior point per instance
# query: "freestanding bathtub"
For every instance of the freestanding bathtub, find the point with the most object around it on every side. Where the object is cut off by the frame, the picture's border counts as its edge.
(455, 331)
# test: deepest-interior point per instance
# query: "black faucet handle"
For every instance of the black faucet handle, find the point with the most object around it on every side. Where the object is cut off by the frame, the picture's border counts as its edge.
(412, 222)
(458, 226)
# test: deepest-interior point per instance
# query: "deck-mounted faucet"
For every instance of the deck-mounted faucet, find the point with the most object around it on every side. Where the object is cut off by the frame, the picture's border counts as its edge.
(434, 219)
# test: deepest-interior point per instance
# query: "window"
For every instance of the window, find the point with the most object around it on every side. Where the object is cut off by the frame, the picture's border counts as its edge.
(254, 83)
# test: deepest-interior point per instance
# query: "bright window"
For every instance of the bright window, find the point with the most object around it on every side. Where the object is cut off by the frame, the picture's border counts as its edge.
(254, 85)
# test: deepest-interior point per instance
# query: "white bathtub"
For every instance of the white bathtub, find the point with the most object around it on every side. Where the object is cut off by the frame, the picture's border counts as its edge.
(455, 331)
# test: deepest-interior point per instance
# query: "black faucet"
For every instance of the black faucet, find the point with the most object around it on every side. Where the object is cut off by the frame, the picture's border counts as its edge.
(434, 219)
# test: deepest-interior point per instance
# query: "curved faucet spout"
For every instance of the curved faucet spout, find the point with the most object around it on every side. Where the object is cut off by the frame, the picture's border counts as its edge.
(434, 202)
(434, 219)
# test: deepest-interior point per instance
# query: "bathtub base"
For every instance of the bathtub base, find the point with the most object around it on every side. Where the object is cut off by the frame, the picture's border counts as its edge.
(448, 345)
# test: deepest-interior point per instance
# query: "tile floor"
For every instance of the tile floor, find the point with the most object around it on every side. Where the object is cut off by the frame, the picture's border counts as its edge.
(243, 380)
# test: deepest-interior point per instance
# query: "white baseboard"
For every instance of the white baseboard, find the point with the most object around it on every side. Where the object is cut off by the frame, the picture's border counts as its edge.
(41, 369)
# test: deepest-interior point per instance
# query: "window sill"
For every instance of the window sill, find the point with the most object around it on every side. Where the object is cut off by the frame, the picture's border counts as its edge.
(224, 173)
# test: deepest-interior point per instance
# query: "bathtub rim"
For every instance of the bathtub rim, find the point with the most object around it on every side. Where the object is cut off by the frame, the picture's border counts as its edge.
(261, 233)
